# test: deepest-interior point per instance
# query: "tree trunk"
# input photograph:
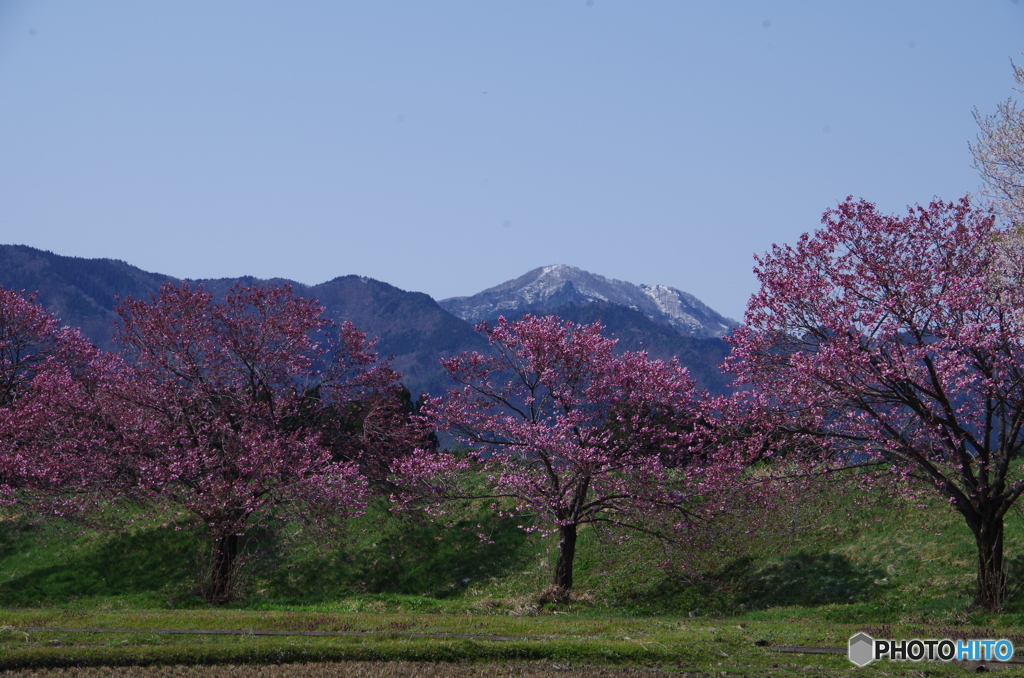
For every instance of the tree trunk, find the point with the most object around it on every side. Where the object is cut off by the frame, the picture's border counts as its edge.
(566, 554)
(225, 555)
(988, 535)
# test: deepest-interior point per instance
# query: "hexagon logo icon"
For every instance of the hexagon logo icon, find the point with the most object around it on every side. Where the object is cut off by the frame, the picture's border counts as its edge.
(862, 649)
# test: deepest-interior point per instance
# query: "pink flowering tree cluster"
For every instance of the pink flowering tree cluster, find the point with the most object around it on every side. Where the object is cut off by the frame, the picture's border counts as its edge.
(56, 443)
(899, 340)
(226, 395)
(364, 414)
(561, 429)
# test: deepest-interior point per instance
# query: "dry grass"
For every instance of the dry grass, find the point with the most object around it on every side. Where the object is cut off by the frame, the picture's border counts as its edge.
(350, 670)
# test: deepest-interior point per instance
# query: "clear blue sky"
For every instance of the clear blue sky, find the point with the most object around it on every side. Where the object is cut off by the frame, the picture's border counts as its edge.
(448, 146)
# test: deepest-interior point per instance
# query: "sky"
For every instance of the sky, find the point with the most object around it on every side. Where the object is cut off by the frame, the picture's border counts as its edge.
(447, 146)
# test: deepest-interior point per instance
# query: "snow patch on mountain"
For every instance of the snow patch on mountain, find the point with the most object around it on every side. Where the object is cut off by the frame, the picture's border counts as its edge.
(550, 286)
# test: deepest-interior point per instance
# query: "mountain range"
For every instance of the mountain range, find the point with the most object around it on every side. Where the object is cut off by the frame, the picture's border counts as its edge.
(411, 327)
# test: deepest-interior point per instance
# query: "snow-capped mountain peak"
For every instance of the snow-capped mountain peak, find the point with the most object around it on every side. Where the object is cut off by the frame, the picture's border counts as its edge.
(548, 287)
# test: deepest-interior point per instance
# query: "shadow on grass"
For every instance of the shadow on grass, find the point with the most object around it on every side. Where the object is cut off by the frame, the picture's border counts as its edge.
(399, 556)
(800, 579)
(810, 579)
(73, 566)
(386, 556)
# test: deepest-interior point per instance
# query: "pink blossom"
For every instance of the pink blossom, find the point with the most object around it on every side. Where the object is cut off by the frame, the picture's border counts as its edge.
(224, 403)
(898, 340)
(561, 429)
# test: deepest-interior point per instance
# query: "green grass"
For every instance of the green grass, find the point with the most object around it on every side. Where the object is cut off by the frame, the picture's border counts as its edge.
(812, 574)
(698, 645)
(874, 562)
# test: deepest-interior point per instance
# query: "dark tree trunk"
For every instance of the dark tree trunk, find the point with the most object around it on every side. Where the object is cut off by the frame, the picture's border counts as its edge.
(988, 535)
(566, 554)
(225, 555)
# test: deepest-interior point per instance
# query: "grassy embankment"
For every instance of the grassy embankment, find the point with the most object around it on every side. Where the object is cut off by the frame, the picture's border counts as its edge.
(814, 577)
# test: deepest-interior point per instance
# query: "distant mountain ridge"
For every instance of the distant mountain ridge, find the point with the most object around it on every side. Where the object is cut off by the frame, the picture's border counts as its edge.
(79, 292)
(549, 287)
(409, 326)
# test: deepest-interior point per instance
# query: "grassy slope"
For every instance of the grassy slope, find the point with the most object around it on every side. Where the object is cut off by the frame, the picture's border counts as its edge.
(884, 561)
(817, 574)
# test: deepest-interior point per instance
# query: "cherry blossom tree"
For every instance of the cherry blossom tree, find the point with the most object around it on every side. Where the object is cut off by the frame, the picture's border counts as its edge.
(895, 340)
(55, 443)
(225, 395)
(567, 431)
(999, 155)
(371, 427)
